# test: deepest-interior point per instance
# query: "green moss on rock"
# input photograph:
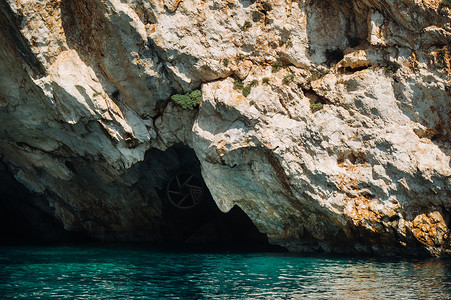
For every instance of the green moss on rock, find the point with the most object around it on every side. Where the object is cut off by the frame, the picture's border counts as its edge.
(188, 101)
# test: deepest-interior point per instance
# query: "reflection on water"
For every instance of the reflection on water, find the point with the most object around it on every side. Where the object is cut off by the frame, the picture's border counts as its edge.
(87, 273)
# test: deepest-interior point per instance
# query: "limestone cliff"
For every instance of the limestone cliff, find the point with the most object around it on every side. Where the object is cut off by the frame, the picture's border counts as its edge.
(327, 122)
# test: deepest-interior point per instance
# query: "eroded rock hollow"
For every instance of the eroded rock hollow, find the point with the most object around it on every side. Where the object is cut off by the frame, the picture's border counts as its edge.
(326, 122)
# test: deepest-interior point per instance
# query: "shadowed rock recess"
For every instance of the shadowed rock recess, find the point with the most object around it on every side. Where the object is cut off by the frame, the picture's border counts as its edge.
(323, 126)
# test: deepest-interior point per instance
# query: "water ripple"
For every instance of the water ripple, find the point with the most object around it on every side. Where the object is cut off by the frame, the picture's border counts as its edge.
(102, 273)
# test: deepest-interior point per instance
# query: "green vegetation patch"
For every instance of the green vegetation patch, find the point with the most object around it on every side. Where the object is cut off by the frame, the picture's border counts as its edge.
(317, 75)
(390, 68)
(225, 62)
(276, 66)
(247, 90)
(316, 107)
(246, 25)
(265, 80)
(188, 101)
(238, 84)
(288, 79)
(254, 83)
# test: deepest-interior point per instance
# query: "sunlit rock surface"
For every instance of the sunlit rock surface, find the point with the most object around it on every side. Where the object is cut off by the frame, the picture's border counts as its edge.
(341, 145)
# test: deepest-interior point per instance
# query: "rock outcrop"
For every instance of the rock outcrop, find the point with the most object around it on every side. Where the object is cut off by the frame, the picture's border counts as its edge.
(327, 122)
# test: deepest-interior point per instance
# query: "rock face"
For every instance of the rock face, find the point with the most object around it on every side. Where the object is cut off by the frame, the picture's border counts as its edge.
(327, 122)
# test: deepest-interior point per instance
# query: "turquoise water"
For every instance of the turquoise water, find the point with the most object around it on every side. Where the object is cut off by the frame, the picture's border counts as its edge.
(109, 273)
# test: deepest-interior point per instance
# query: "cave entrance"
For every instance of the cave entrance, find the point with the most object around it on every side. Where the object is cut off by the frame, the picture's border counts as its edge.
(191, 218)
(26, 218)
(185, 190)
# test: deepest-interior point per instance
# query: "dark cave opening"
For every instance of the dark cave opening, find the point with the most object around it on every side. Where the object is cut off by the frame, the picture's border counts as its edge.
(199, 223)
(333, 56)
(196, 223)
(25, 217)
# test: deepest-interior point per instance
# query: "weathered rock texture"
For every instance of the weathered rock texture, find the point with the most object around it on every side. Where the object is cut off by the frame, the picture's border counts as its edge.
(85, 89)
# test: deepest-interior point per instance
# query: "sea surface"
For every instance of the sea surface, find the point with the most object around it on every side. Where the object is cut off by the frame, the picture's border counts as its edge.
(129, 273)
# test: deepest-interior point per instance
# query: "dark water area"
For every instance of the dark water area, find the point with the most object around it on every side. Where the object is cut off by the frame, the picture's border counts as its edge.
(130, 273)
